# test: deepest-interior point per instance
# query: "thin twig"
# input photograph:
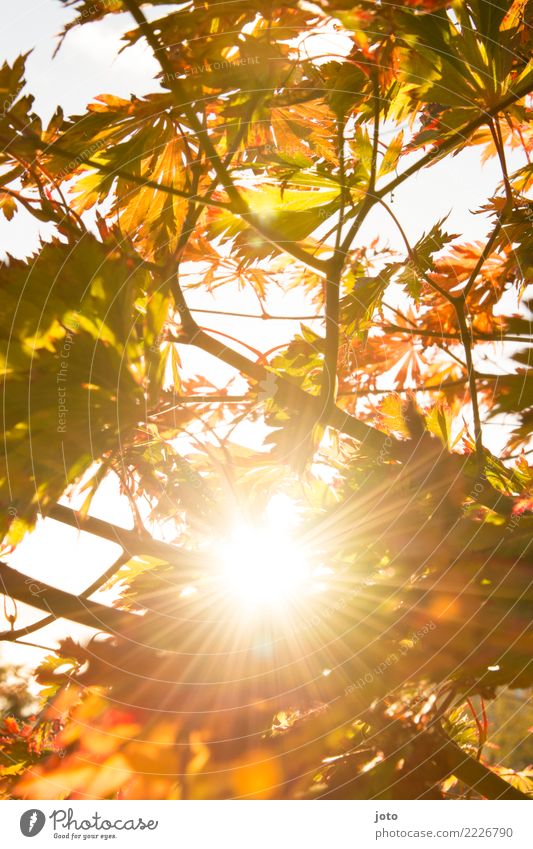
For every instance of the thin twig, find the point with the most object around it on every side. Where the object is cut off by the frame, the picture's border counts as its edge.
(466, 338)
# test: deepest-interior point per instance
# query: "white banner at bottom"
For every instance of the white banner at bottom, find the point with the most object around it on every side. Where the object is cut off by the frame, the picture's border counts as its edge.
(267, 824)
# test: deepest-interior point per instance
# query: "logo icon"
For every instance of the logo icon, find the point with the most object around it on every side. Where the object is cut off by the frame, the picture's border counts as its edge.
(32, 822)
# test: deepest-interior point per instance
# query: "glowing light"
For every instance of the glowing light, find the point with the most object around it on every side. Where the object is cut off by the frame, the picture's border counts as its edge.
(263, 566)
(281, 511)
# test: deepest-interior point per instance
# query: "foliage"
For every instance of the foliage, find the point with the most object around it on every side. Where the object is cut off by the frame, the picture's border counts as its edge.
(252, 167)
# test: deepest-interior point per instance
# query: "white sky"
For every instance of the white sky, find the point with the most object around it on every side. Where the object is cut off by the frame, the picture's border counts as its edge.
(88, 65)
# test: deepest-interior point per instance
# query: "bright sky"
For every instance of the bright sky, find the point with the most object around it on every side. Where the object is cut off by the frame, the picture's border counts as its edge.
(86, 66)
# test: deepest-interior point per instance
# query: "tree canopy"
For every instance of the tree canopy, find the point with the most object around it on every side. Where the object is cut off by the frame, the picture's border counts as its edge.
(327, 572)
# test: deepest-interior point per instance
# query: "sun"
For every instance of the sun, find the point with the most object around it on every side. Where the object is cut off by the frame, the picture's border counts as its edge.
(262, 570)
(262, 564)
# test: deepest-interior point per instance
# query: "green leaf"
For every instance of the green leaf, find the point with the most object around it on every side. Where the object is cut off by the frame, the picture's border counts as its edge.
(8, 205)
(74, 366)
(359, 305)
(429, 244)
(392, 155)
(439, 422)
(362, 148)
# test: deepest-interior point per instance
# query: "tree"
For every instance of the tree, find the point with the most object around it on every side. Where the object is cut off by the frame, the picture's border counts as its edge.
(259, 163)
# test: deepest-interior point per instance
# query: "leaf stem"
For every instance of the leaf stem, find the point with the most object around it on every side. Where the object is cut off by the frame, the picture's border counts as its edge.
(467, 341)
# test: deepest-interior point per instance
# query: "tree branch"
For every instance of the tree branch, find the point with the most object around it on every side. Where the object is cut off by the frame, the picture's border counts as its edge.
(457, 136)
(239, 205)
(14, 635)
(414, 258)
(249, 217)
(473, 773)
(261, 317)
(448, 144)
(132, 542)
(482, 259)
(332, 294)
(466, 339)
(287, 392)
(183, 102)
(62, 605)
(496, 132)
(433, 334)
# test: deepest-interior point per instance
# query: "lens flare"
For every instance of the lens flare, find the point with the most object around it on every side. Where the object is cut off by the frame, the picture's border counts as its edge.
(263, 565)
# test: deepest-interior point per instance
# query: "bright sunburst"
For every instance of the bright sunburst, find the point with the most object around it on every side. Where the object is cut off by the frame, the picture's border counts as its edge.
(263, 565)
